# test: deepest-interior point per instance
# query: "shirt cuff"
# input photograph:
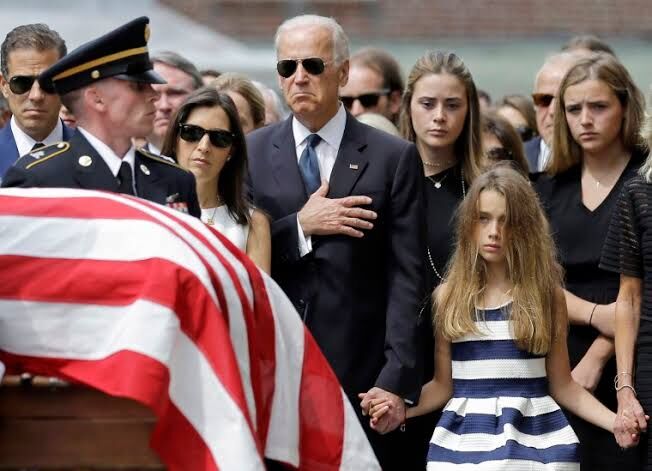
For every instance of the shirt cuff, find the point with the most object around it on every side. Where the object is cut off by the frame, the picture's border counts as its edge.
(305, 243)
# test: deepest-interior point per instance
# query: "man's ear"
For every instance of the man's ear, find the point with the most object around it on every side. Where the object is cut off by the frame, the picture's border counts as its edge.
(93, 98)
(4, 85)
(343, 73)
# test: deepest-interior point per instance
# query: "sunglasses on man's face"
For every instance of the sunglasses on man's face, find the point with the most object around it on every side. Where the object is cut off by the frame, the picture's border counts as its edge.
(219, 137)
(542, 99)
(367, 100)
(19, 84)
(313, 65)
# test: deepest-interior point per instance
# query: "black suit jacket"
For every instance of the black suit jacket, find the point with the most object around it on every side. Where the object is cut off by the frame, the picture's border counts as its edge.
(359, 298)
(62, 165)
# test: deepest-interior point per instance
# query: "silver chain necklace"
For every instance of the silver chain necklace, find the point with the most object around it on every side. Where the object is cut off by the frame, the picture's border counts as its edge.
(432, 264)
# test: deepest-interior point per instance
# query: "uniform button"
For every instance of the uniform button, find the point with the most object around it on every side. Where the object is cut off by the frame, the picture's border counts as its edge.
(301, 303)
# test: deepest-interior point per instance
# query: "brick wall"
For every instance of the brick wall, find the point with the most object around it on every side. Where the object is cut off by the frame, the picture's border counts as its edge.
(412, 19)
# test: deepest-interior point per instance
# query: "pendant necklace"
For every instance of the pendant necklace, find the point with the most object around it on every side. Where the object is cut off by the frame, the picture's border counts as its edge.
(211, 220)
(432, 263)
(437, 183)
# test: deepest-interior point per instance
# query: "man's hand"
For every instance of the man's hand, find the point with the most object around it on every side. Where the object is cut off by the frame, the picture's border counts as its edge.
(386, 409)
(326, 216)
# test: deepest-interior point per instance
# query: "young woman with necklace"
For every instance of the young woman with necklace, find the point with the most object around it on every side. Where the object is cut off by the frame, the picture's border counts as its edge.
(596, 149)
(440, 113)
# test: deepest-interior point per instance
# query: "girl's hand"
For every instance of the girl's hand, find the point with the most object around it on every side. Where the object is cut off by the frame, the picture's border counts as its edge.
(630, 419)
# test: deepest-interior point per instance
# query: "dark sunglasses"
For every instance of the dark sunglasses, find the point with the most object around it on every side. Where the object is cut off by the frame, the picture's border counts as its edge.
(20, 84)
(313, 65)
(367, 100)
(526, 133)
(496, 154)
(218, 137)
(542, 99)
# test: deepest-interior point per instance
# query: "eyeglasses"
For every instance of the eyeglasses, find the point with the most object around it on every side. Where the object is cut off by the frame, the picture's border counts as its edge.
(526, 133)
(496, 154)
(20, 84)
(367, 100)
(542, 99)
(218, 137)
(313, 65)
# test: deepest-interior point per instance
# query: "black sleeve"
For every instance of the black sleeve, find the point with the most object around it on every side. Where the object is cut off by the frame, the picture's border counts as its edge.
(621, 252)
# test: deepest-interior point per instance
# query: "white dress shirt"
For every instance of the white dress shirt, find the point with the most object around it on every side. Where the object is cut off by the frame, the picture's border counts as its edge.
(331, 138)
(544, 156)
(112, 160)
(24, 143)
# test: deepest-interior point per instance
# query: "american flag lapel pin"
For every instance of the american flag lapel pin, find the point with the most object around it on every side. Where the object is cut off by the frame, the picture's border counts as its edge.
(353, 166)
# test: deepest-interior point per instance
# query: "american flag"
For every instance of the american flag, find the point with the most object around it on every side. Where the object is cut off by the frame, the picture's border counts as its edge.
(140, 301)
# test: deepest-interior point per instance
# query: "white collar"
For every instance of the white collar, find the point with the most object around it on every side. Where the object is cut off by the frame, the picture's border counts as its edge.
(111, 158)
(332, 132)
(24, 142)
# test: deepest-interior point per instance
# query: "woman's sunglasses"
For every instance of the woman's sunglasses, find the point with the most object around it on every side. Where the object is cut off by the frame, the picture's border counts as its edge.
(218, 137)
(19, 84)
(366, 100)
(496, 154)
(313, 65)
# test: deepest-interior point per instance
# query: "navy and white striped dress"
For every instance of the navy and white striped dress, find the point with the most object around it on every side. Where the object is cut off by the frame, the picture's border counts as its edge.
(500, 416)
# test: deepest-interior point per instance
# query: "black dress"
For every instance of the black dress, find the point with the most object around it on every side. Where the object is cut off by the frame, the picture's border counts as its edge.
(444, 192)
(579, 235)
(628, 251)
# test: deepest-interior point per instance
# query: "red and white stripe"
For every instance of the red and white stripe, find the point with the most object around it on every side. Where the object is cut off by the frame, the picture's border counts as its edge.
(144, 302)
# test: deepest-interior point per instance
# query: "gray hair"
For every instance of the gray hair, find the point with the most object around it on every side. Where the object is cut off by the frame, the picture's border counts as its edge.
(36, 36)
(179, 62)
(340, 41)
(564, 58)
(278, 108)
(646, 133)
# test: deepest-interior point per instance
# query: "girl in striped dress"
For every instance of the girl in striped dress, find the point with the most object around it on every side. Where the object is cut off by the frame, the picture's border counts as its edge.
(501, 364)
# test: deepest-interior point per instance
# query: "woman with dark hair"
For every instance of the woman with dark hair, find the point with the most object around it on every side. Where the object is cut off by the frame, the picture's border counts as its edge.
(501, 142)
(206, 139)
(596, 148)
(518, 110)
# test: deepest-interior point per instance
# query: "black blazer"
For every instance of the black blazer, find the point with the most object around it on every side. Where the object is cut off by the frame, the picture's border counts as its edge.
(360, 298)
(76, 164)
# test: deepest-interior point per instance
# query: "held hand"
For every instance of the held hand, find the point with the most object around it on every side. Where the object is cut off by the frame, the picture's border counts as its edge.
(587, 372)
(630, 419)
(386, 409)
(327, 216)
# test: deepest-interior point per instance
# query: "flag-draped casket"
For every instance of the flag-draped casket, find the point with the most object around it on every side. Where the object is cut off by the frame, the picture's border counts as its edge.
(139, 301)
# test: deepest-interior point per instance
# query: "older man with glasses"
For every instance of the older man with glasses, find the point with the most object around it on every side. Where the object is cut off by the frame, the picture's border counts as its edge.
(345, 201)
(26, 51)
(546, 87)
(107, 84)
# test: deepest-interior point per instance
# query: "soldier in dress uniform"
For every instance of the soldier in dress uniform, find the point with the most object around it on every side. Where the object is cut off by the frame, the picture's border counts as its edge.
(107, 84)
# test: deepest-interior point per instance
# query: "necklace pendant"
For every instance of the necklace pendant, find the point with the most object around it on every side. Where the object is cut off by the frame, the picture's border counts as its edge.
(210, 222)
(438, 185)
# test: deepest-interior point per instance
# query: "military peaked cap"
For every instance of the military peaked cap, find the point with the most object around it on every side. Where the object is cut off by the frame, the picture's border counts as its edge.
(121, 53)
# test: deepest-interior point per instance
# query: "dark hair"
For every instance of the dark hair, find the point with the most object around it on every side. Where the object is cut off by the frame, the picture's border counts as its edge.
(179, 62)
(37, 36)
(384, 64)
(232, 177)
(499, 127)
(210, 73)
(484, 95)
(523, 105)
(588, 41)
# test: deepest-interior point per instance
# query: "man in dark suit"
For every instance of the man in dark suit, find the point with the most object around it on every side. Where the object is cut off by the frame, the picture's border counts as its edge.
(106, 84)
(347, 225)
(26, 51)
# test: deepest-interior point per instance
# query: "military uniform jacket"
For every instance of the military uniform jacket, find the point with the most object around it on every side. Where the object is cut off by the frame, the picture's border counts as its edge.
(76, 164)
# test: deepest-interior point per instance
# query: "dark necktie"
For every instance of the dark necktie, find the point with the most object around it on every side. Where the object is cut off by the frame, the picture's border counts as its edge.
(37, 146)
(309, 165)
(125, 180)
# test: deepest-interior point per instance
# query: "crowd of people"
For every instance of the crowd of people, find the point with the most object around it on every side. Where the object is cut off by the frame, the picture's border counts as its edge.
(473, 272)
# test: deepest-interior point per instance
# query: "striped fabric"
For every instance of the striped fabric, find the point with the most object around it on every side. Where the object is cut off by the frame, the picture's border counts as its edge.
(143, 302)
(500, 416)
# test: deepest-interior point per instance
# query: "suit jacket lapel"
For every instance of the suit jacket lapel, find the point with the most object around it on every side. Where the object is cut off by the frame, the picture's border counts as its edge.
(286, 168)
(146, 179)
(96, 175)
(351, 160)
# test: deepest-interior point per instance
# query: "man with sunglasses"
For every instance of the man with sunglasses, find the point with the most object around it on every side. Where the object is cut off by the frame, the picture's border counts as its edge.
(375, 84)
(546, 87)
(107, 84)
(347, 226)
(26, 51)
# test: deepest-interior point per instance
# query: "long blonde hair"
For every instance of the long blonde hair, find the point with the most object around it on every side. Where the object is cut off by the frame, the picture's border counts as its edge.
(607, 69)
(532, 266)
(468, 146)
